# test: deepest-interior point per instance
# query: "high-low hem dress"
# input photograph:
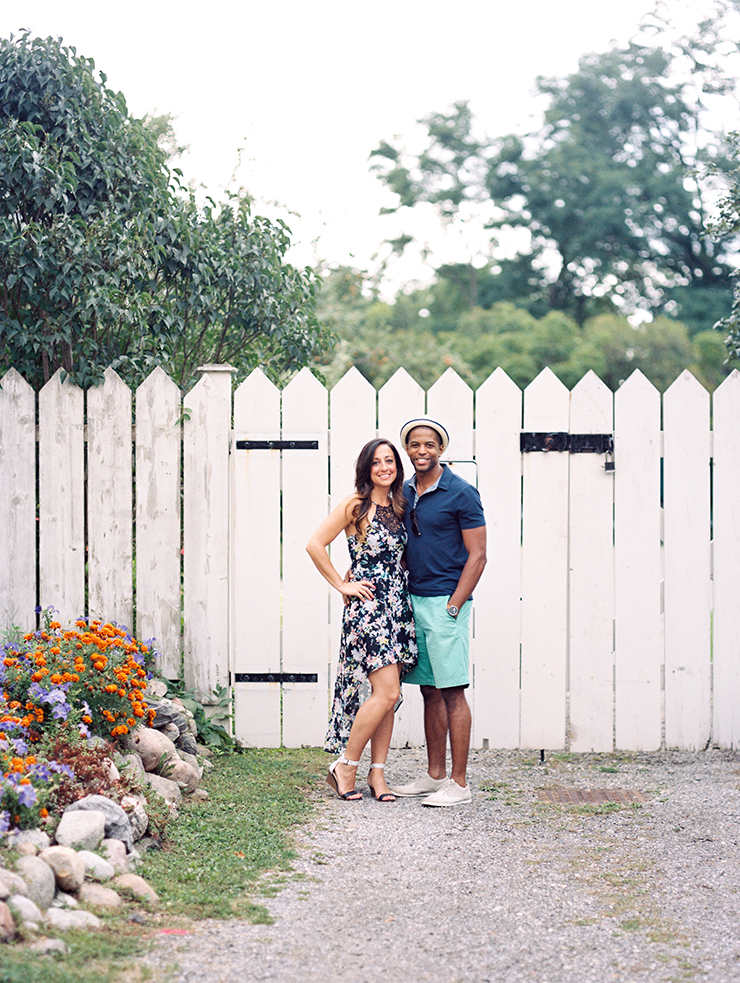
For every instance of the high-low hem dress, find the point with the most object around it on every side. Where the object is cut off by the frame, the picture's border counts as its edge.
(377, 632)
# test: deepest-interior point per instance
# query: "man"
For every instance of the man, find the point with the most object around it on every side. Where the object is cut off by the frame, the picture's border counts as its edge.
(445, 555)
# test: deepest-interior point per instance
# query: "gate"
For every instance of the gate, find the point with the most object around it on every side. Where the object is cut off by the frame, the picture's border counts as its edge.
(593, 621)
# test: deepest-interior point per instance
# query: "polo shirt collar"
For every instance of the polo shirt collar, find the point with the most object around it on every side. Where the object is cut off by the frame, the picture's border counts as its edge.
(442, 482)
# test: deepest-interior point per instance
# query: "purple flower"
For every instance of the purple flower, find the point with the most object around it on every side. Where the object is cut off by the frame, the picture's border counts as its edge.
(40, 772)
(27, 795)
(83, 729)
(61, 711)
(4, 822)
(61, 769)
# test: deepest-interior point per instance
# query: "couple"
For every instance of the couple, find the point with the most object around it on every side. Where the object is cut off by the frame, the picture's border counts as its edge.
(435, 524)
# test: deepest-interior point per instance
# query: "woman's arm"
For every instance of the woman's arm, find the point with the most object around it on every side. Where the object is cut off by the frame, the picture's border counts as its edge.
(336, 522)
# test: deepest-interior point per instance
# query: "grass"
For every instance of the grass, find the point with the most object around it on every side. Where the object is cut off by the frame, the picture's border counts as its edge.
(220, 855)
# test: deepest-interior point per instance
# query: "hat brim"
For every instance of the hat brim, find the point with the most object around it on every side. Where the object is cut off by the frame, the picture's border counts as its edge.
(423, 421)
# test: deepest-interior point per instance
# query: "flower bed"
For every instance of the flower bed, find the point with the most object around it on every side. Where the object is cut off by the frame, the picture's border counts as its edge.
(57, 687)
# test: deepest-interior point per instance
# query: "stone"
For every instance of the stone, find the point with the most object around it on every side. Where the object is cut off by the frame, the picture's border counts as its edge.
(99, 896)
(64, 919)
(117, 826)
(186, 742)
(23, 909)
(48, 947)
(96, 868)
(200, 795)
(67, 865)
(37, 837)
(155, 689)
(192, 761)
(154, 749)
(113, 772)
(137, 886)
(171, 731)
(7, 923)
(185, 775)
(39, 879)
(81, 830)
(26, 850)
(135, 808)
(130, 763)
(12, 884)
(115, 853)
(64, 900)
(170, 791)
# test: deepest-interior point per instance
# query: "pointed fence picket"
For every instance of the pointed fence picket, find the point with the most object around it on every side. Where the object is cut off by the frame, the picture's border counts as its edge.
(157, 518)
(607, 615)
(726, 540)
(18, 500)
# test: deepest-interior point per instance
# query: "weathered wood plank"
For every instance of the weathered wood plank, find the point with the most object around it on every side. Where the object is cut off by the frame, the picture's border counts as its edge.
(17, 502)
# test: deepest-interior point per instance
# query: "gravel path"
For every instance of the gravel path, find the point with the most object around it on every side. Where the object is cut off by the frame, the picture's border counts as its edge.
(508, 888)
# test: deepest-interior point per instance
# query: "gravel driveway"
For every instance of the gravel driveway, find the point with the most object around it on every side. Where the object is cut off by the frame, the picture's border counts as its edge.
(509, 888)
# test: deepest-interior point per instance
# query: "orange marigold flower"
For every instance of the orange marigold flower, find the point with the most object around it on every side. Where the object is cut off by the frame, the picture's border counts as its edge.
(122, 692)
(55, 625)
(27, 638)
(43, 813)
(111, 688)
(86, 719)
(56, 679)
(9, 662)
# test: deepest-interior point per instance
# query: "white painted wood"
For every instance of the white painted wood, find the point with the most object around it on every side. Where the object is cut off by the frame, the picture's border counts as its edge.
(206, 440)
(726, 528)
(496, 698)
(687, 564)
(352, 408)
(17, 502)
(158, 542)
(638, 622)
(591, 587)
(62, 499)
(450, 401)
(400, 399)
(109, 498)
(544, 569)
(305, 627)
(256, 557)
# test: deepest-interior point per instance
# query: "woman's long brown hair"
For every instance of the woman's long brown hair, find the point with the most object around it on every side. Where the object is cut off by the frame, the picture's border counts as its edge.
(364, 484)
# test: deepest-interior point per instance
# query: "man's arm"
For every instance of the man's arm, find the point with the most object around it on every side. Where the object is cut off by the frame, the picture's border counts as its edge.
(475, 544)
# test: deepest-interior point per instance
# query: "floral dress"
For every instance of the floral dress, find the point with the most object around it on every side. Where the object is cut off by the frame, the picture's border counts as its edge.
(375, 633)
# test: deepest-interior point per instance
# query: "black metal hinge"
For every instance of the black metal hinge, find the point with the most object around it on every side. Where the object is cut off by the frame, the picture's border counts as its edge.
(276, 677)
(573, 443)
(277, 445)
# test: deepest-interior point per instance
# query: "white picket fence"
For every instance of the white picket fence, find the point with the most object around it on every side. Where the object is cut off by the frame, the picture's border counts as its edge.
(607, 616)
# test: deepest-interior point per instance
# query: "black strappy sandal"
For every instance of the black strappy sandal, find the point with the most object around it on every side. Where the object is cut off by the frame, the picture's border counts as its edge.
(384, 796)
(353, 795)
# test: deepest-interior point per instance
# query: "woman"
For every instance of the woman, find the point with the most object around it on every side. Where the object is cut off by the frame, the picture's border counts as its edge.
(378, 641)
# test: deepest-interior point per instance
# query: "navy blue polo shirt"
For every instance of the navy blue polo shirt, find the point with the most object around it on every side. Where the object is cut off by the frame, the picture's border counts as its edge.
(436, 558)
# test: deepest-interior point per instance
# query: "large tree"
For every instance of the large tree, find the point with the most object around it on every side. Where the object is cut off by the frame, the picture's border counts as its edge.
(104, 260)
(610, 191)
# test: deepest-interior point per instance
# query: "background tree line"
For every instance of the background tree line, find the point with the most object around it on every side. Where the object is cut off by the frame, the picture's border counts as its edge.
(604, 211)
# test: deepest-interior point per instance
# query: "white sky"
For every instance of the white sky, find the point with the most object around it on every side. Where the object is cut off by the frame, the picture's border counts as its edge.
(309, 89)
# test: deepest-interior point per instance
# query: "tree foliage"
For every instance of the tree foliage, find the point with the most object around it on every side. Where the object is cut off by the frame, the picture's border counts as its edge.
(610, 192)
(104, 260)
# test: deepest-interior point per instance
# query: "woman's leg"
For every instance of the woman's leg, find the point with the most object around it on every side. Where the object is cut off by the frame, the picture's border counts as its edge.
(376, 712)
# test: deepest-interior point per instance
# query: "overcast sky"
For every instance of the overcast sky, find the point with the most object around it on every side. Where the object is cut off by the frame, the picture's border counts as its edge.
(310, 88)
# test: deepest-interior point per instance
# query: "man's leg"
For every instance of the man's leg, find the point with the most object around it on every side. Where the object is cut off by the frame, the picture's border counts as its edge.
(435, 730)
(459, 721)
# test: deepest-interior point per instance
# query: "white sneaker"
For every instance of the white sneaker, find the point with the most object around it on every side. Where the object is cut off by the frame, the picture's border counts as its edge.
(420, 786)
(450, 794)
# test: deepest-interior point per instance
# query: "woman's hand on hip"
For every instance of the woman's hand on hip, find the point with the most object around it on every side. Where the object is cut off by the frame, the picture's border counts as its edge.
(359, 588)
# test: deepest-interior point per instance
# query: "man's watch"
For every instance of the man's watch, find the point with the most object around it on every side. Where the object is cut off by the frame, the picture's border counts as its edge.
(452, 610)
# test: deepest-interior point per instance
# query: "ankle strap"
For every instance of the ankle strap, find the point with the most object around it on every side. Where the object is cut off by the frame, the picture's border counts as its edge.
(377, 766)
(345, 761)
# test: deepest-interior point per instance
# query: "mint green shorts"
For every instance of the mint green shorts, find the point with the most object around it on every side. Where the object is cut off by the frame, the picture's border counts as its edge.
(444, 644)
